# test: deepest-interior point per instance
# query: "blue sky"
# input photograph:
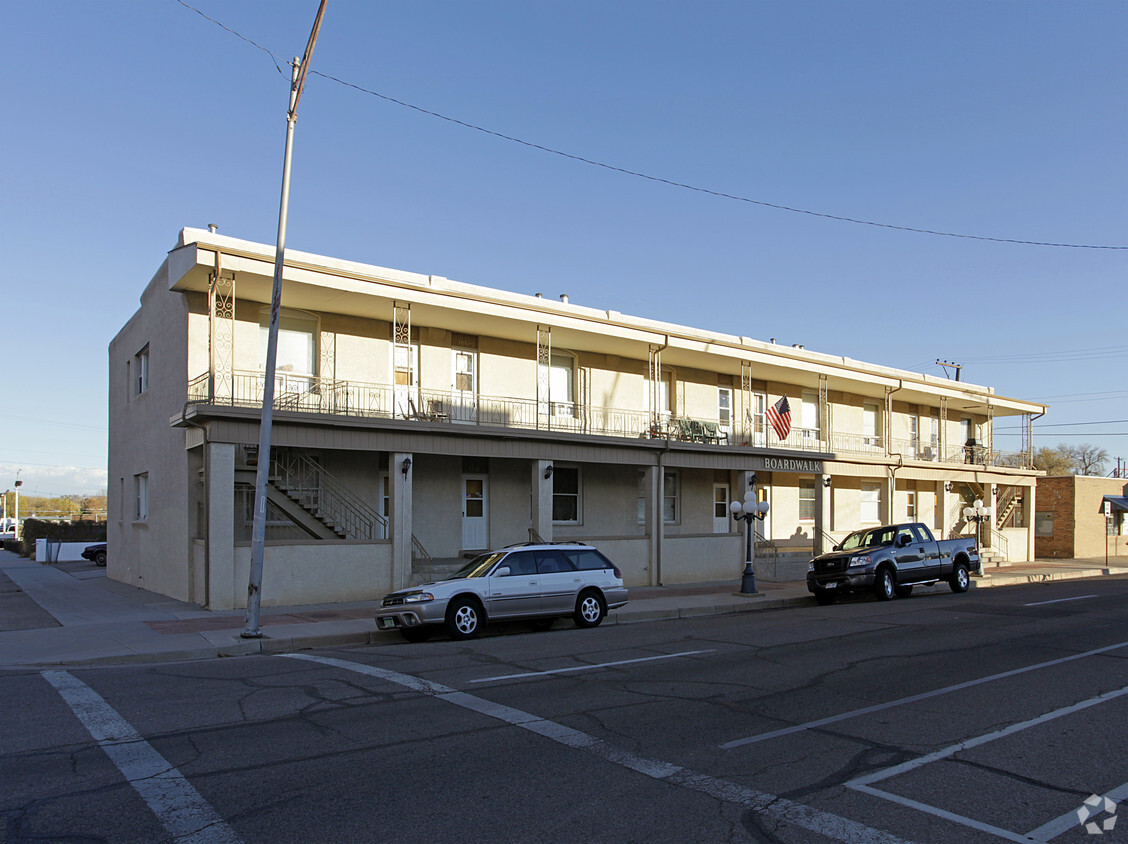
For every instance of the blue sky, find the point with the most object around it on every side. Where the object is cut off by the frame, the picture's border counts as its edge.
(126, 121)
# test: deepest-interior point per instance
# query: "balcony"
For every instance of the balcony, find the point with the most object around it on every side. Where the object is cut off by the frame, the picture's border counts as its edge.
(306, 394)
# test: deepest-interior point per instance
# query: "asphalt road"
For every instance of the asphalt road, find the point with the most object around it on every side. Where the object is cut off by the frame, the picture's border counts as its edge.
(987, 716)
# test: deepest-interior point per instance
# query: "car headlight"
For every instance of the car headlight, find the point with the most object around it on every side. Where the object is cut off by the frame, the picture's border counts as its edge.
(859, 561)
(418, 598)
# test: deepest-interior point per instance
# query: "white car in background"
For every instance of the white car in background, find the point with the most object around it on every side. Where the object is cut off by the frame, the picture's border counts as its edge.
(540, 582)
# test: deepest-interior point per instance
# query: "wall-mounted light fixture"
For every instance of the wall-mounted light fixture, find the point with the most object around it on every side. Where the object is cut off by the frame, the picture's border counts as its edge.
(751, 479)
(548, 471)
(405, 467)
(947, 486)
(826, 482)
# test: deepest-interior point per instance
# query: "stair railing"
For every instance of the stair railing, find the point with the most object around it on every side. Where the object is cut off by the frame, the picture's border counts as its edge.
(325, 497)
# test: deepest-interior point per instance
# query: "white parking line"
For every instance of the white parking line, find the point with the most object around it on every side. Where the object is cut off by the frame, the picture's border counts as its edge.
(824, 823)
(864, 783)
(589, 667)
(1068, 821)
(1059, 601)
(176, 803)
(866, 710)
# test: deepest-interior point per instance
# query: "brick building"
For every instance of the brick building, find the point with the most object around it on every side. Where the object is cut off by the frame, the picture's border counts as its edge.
(1070, 520)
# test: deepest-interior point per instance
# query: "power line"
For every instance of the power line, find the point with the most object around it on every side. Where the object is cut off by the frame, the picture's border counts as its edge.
(659, 179)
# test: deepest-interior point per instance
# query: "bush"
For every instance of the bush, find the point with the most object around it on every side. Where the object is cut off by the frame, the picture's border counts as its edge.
(33, 529)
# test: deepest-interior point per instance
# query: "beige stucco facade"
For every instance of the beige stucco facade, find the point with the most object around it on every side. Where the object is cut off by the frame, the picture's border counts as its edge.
(419, 419)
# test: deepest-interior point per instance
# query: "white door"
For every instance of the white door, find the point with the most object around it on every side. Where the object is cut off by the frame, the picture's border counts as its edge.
(475, 512)
(405, 377)
(721, 508)
(464, 391)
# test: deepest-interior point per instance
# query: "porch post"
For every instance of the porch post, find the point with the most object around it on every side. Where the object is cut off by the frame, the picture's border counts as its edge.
(222, 591)
(652, 482)
(402, 474)
(823, 499)
(540, 488)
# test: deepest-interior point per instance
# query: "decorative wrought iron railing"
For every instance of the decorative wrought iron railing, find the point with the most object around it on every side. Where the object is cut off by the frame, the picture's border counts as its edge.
(305, 394)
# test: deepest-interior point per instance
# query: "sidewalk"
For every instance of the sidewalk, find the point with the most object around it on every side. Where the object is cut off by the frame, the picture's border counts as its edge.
(72, 614)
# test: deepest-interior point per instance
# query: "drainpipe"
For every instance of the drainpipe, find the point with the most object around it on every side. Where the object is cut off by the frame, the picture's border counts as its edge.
(660, 516)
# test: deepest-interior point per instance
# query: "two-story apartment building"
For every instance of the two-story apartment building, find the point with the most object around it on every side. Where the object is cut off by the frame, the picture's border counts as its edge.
(418, 419)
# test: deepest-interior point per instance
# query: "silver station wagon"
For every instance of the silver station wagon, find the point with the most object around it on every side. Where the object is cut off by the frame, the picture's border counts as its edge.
(538, 582)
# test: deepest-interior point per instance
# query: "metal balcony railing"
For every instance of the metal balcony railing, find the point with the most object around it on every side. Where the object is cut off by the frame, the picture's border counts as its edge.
(307, 394)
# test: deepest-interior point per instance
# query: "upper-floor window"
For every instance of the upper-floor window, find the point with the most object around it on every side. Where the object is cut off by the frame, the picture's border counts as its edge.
(296, 354)
(724, 406)
(871, 418)
(139, 372)
(562, 384)
(809, 420)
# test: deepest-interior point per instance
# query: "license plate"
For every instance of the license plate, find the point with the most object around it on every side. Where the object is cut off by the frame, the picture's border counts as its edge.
(830, 585)
(386, 623)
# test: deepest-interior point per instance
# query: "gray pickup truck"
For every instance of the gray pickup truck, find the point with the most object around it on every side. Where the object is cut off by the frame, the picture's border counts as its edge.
(891, 560)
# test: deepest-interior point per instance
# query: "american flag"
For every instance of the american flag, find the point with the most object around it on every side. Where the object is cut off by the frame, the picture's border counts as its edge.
(779, 414)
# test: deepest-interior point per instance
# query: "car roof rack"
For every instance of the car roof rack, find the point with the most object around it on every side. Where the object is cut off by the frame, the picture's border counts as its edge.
(554, 542)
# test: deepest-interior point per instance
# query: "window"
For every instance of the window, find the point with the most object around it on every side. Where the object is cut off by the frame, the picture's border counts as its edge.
(586, 559)
(296, 356)
(566, 495)
(810, 415)
(724, 406)
(911, 505)
(670, 502)
(869, 510)
(141, 497)
(870, 415)
(561, 385)
(806, 500)
(139, 374)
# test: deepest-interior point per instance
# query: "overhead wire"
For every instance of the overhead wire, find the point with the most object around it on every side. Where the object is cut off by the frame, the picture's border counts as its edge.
(659, 179)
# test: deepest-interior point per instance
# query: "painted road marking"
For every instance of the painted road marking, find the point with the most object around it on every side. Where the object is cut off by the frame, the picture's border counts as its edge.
(865, 783)
(824, 823)
(1059, 601)
(854, 713)
(589, 667)
(1068, 821)
(176, 803)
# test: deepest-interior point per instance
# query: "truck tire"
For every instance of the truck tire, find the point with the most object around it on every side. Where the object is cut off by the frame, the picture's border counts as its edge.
(960, 579)
(885, 584)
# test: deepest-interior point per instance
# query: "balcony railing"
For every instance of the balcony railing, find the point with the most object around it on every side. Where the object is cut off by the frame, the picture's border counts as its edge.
(306, 394)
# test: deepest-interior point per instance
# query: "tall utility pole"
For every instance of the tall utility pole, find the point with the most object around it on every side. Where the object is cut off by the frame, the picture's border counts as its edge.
(258, 527)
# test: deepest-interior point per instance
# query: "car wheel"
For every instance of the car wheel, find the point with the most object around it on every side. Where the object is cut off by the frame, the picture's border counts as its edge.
(541, 624)
(885, 586)
(100, 558)
(903, 591)
(464, 619)
(960, 580)
(418, 634)
(590, 610)
(824, 597)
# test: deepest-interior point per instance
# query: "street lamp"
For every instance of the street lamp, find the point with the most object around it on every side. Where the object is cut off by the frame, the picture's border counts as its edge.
(749, 511)
(19, 483)
(978, 513)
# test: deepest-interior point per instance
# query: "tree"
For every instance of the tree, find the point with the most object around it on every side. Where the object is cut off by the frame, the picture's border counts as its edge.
(1089, 459)
(1064, 459)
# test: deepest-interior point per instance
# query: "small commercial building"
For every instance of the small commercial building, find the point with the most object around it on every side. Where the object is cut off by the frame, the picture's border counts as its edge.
(1081, 516)
(419, 419)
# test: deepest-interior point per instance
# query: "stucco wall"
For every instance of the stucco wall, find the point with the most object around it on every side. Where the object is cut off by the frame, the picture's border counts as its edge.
(315, 573)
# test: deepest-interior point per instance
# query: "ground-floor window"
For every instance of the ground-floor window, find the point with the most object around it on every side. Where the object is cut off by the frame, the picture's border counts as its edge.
(807, 500)
(869, 511)
(670, 498)
(566, 495)
(141, 497)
